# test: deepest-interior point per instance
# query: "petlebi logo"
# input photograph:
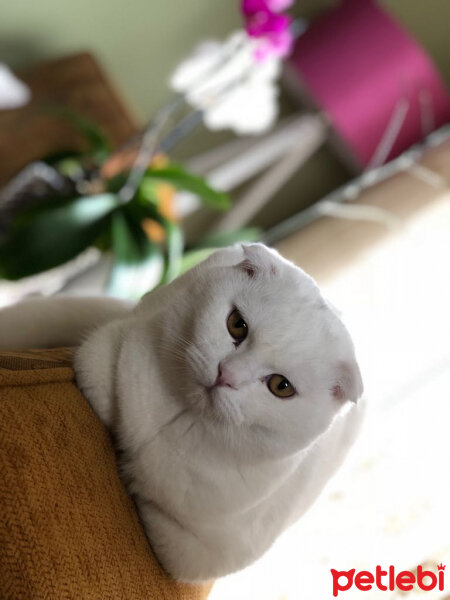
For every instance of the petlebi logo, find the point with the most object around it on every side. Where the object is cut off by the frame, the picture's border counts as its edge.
(389, 579)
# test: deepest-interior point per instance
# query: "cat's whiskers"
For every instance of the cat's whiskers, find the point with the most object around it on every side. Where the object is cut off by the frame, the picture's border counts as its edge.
(175, 347)
(199, 360)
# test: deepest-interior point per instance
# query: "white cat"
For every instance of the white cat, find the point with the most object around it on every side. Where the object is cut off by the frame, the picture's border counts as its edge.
(232, 395)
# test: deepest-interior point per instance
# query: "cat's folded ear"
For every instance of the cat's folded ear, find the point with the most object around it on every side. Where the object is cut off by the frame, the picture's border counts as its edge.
(258, 259)
(224, 257)
(252, 258)
(348, 384)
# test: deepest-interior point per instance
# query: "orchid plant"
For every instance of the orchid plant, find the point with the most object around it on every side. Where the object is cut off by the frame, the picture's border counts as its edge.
(128, 209)
(233, 83)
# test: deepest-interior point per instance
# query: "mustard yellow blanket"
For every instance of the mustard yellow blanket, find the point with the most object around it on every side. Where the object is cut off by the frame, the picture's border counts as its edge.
(68, 529)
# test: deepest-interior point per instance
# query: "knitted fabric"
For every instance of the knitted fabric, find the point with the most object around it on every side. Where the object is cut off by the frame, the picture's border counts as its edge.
(68, 529)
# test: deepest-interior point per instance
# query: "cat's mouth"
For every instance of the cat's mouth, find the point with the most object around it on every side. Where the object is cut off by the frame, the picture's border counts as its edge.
(218, 404)
(211, 392)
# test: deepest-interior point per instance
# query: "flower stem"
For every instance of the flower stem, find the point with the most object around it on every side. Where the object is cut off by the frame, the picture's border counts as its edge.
(181, 129)
(148, 147)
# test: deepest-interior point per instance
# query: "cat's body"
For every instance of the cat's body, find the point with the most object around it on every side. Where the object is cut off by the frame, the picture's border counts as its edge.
(218, 464)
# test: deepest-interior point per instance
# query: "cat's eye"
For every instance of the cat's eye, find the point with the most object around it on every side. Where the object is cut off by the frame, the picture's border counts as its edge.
(236, 326)
(280, 386)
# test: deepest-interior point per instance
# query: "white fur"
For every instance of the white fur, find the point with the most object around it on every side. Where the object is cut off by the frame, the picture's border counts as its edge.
(218, 475)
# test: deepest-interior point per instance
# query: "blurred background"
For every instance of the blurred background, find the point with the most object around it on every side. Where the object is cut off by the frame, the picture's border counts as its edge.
(338, 155)
(131, 45)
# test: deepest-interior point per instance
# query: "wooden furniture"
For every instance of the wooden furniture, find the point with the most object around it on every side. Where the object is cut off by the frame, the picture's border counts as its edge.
(76, 82)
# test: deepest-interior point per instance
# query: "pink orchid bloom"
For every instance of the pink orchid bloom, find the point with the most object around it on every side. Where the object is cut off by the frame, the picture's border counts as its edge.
(279, 5)
(279, 44)
(265, 23)
(250, 7)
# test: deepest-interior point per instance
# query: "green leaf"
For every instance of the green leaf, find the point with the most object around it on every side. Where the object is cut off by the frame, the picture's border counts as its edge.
(183, 180)
(71, 167)
(175, 246)
(53, 233)
(228, 238)
(61, 156)
(138, 262)
(148, 192)
(114, 184)
(143, 208)
(99, 144)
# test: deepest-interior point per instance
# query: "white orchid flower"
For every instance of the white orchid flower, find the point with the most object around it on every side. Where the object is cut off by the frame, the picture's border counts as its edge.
(232, 88)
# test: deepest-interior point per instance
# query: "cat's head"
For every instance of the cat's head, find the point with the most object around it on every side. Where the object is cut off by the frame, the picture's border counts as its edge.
(259, 351)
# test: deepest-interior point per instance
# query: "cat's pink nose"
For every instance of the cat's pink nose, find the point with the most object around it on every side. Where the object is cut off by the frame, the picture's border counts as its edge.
(224, 378)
